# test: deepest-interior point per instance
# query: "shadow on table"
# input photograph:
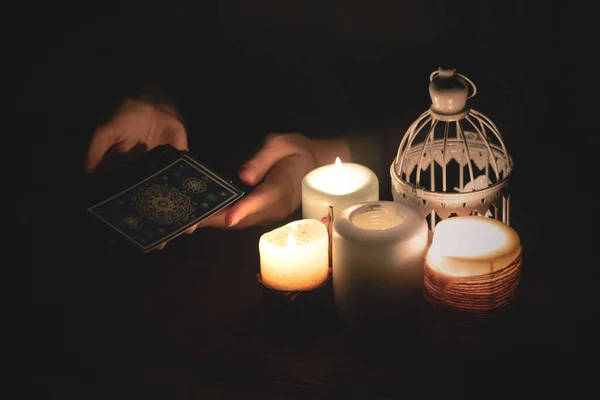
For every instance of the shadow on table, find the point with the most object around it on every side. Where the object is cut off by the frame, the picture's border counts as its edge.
(193, 317)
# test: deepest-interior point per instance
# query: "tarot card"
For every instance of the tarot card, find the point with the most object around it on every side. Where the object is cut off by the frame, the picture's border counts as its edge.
(166, 203)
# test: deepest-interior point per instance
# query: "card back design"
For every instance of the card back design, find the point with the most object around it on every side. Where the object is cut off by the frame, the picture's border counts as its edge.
(167, 203)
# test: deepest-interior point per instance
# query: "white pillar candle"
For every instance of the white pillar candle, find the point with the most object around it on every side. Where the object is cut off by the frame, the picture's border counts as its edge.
(473, 264)
(339, 185)
(378, 253)
(295, 256)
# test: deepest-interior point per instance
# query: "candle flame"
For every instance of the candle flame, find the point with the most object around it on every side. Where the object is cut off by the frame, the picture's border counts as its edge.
(290, 240)
(338, 163)
(338, 179)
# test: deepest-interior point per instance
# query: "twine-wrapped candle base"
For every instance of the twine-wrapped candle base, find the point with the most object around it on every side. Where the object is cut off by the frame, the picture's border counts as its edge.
(296, 313)
(472, 311)
(478, 296)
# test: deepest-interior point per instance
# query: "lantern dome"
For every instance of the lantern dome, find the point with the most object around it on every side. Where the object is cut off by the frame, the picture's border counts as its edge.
(452, 160)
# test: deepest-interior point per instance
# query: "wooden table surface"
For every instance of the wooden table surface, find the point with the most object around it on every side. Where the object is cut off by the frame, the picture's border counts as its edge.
(189, 322)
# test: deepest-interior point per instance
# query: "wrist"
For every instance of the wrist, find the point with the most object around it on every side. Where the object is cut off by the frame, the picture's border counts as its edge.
(157, 95)
(168, 109)
(165, 108)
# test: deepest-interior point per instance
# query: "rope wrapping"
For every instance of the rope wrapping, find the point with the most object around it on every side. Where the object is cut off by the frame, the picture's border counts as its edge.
(476, 295)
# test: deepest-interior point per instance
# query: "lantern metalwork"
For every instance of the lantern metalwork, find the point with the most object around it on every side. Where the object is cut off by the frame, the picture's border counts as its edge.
(452, 160)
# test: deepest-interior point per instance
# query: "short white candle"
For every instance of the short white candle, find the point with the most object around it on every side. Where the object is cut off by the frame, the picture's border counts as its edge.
(472, 245)
(339, 185)
(378, 254)
(295, 256)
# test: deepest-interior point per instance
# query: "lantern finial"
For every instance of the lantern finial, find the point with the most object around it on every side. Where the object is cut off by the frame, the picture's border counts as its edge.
(449, 92)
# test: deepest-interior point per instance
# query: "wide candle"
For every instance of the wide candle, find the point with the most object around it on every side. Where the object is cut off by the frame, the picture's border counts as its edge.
(339, 185)
(295, 256)
(468, 246)
(473, 263)
(378, 253)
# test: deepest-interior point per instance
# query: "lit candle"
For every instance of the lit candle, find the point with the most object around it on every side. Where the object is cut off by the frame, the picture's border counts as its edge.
(468, 246)
(295, 256)
(378, 253)
(339, 185)
(473, 263)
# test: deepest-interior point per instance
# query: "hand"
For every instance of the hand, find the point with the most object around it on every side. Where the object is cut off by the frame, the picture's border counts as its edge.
(278, 169)
(136, 128)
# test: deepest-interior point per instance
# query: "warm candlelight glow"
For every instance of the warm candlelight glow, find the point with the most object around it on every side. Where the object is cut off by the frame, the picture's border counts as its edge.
(339, 185)
(469, 246)
(295, 256)
(376, 218)
(473, 265)
(339, 180)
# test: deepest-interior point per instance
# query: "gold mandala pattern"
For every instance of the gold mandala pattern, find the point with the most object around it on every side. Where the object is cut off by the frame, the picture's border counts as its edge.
(194, 185)
(163, 203)
(131, 221)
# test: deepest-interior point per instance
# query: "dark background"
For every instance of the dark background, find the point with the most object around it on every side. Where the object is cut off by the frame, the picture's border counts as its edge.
(238, 70)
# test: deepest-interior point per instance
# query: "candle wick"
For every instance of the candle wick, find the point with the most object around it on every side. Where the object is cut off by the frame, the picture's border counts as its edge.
(330, 233)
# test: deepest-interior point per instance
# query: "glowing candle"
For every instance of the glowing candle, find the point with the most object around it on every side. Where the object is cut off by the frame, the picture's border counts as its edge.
(468, 246)
(473, 263)
(339, 185)
(295, 256)
(378, 253)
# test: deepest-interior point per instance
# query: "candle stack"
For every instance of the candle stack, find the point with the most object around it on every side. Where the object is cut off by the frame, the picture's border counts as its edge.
(473, 265)
(380, 257)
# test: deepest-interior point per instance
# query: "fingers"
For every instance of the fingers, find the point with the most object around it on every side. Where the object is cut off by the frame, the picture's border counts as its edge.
(176, 136)
(138, 126)
(266, 197)
(215, 221)
(261, 205)
(188, 231)
(103, 139)
(282, 163)
(179, 142)
(271, 200)
(276, 148)
(275, 198)
(191, 229)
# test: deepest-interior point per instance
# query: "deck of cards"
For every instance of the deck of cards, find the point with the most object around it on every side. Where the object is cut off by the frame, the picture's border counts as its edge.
(174, 192)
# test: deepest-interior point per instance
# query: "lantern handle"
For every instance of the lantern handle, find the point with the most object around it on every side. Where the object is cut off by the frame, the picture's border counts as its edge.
(453, 72)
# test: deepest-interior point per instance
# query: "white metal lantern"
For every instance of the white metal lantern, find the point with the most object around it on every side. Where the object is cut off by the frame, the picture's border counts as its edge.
(452, 160)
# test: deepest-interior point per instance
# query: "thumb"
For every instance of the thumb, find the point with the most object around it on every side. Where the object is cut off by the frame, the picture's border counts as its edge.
(276, 148)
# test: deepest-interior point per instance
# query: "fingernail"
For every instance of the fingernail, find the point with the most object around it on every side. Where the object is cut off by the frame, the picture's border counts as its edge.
(231, 224)
(230, 221)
